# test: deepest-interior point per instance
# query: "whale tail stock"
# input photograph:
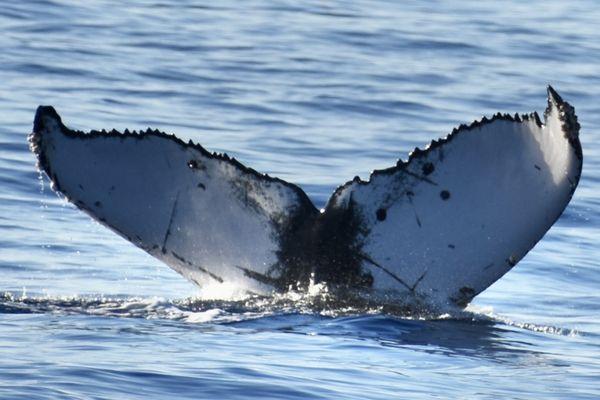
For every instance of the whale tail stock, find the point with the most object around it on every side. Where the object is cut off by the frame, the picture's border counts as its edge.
(440, 227)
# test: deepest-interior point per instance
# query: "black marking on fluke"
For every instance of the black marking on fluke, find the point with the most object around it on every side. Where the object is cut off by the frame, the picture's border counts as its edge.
(262, 278)
(387, 271)
(511, 261)
(428, 168)
(193, 164)
(171, 219)
(410, 195)
(419, 177)
(464, 296)
(197, 267)
(327, 245)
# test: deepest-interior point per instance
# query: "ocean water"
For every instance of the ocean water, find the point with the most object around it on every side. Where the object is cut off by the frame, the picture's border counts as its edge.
(313, 92)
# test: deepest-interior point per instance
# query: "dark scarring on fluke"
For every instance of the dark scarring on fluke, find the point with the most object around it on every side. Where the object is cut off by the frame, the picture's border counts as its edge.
(323, 244)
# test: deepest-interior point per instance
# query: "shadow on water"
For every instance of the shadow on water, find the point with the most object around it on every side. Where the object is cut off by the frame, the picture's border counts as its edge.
(476, 336)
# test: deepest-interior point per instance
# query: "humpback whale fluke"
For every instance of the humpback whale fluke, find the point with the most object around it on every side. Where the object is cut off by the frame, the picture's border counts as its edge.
(440, 227)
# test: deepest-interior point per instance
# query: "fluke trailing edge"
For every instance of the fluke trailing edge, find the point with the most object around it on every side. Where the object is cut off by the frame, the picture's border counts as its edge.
(440, 227)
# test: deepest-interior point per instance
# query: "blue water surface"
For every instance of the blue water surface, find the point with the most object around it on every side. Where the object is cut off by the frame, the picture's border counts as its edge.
(314, 92)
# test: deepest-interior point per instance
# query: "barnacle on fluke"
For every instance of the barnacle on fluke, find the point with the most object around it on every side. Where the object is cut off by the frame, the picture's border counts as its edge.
(436, 229)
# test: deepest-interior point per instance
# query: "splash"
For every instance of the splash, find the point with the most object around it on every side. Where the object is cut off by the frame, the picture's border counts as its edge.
(317, 301)
(487, 313)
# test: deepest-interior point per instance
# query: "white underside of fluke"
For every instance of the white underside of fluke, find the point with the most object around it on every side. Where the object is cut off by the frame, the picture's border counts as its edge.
(441, 227)
(199, 214)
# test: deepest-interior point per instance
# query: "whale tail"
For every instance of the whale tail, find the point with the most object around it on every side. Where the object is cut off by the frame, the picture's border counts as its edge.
(440, 227)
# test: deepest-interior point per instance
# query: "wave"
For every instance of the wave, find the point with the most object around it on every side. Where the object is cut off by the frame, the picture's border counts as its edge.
(318, 303)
